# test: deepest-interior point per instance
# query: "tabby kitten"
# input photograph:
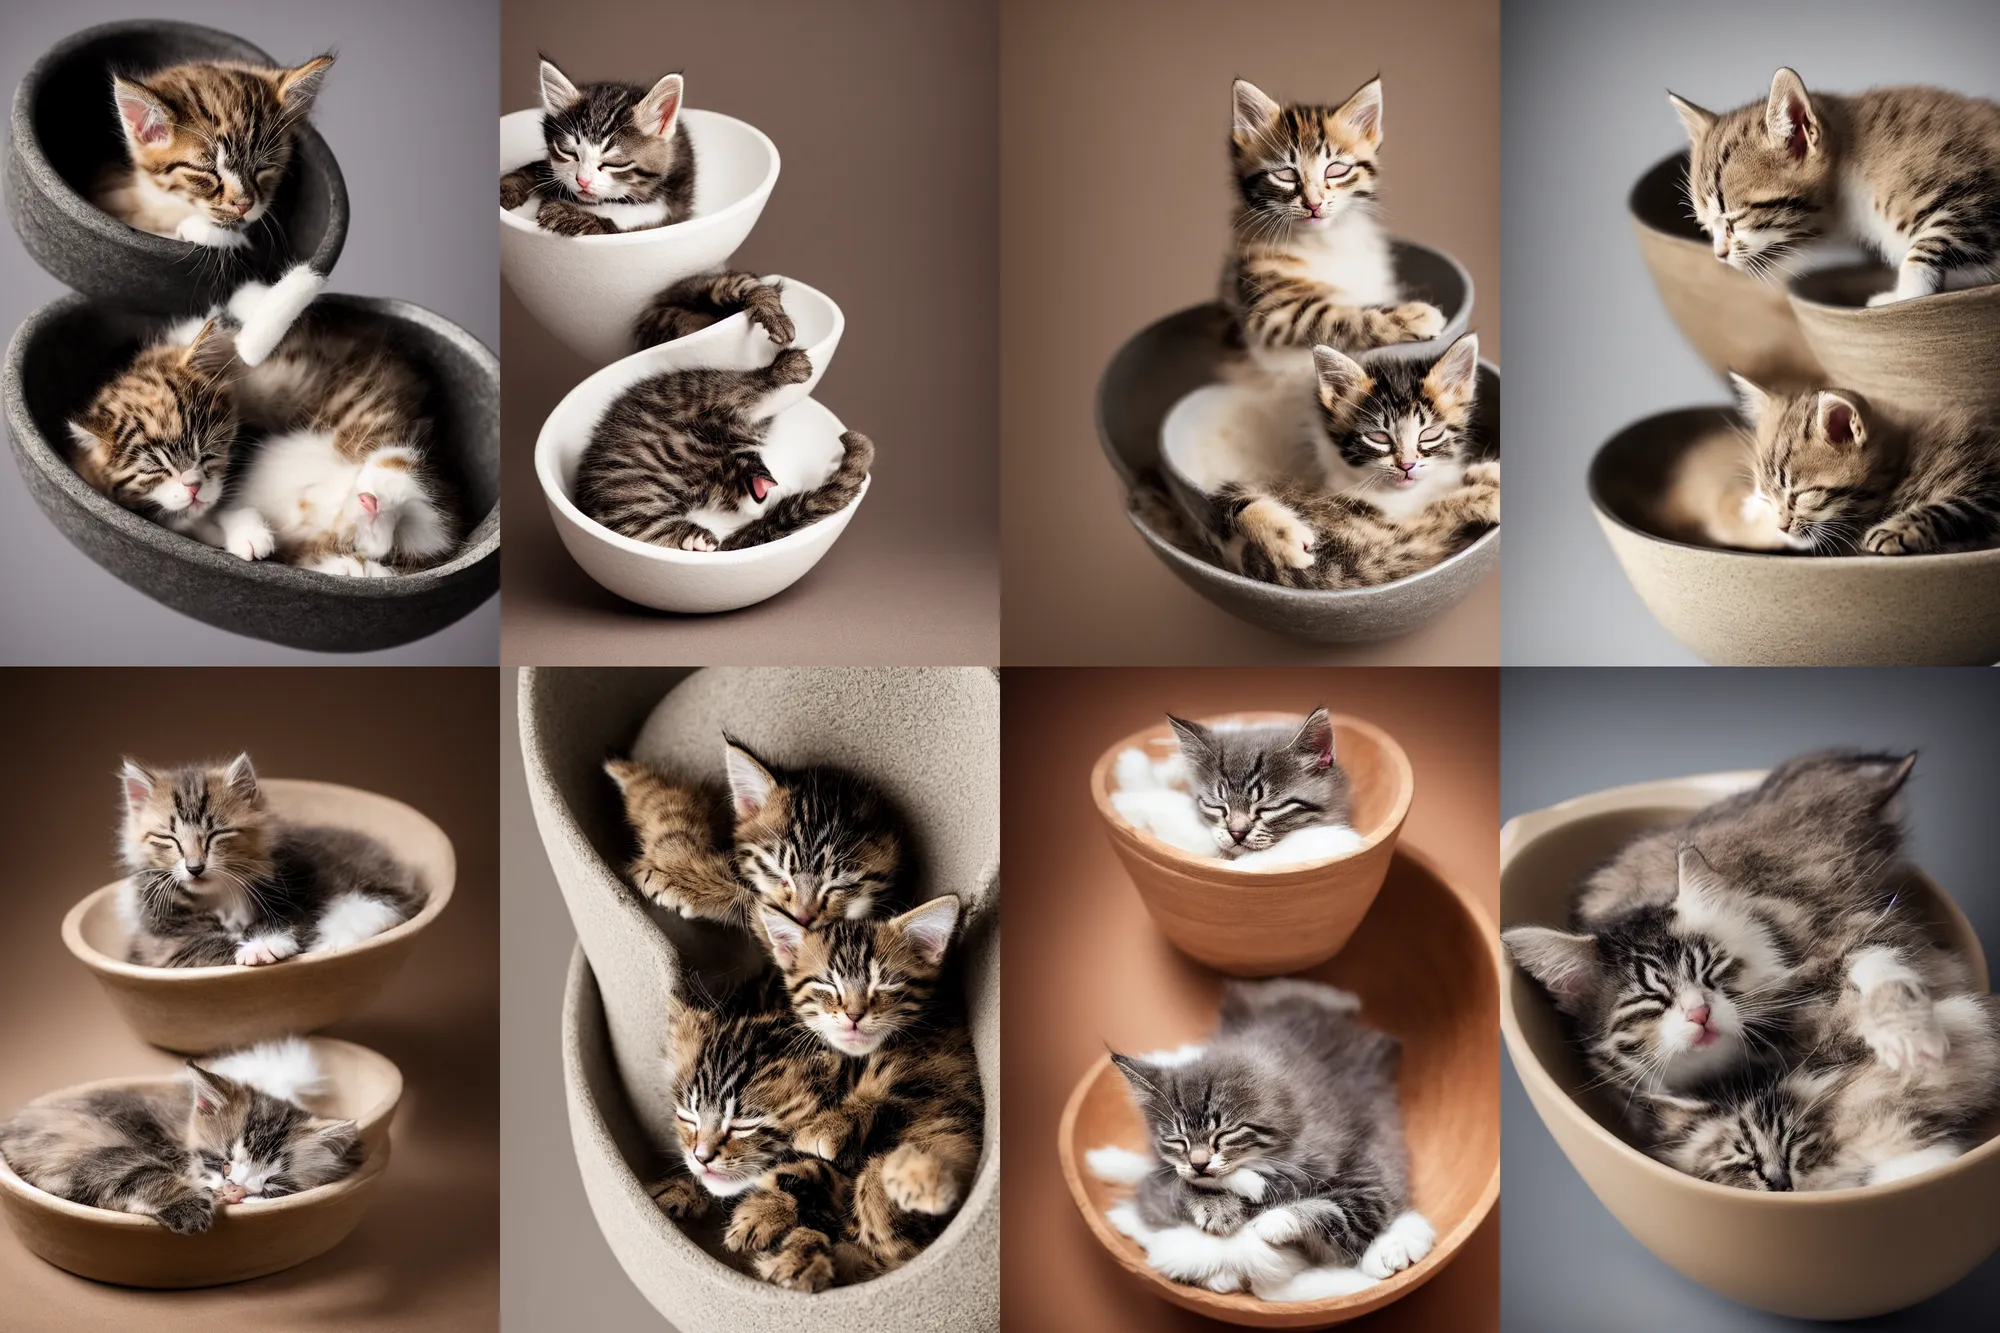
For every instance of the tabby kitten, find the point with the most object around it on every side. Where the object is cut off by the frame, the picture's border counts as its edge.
(1310, 263)
(1912, 173)
(207, 145)
(214, 878)
(619, 158)
(697, 302)
(678, 461)
(1255, 784)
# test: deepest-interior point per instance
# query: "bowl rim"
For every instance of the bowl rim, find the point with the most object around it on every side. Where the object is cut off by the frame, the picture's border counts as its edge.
(165, 249)
(435, 899)
(1940, 301)
(1391, 826)
(726, 215)
(1528, 828)
(1385, 1291)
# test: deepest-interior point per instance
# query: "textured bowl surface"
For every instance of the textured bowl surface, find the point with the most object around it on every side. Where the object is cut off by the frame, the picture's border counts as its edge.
(1260, 923)
(1918, 355)
(1839, 1254)
(63, 132)
(246, 1241)
(68, 349)
(198, 1009)
(1425, 964)
(587, 290)
(1748, 608)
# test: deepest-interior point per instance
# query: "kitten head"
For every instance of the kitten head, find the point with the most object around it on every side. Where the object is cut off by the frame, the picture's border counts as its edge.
(1399, 423)
(206, 828)
(610, 141)
(157, 439)
(1303, 166)
(857, 984)
(1761, 178)
(1209, 1116)
(248, 1145)
(815, 843)
(217, 135)
(1773, 1137)
(1253, 785)
(730, 1081)
(1814, 467)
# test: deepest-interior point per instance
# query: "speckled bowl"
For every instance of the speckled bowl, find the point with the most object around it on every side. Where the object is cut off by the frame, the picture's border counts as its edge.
(63, 131)
(1917, 355)
(1747, 608)
(64, 352)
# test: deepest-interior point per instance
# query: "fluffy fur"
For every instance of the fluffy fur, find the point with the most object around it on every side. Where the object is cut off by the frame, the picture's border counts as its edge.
(695, 303)
(619, 158)
(1253, 785)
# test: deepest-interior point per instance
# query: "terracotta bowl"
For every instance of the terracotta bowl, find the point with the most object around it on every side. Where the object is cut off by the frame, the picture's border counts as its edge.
(1426, 966)
(1838, 1254)
(247, 1240)
(1918, 355)
(1262, 923)
(1732, 320)
(196, 1009)
(1747, 608)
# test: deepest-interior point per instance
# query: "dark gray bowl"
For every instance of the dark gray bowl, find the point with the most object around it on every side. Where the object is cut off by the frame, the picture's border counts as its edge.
(1179, 354)
(64, 352)
(62, 133)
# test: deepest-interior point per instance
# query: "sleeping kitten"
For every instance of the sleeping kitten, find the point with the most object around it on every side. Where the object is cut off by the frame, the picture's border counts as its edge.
(207, 147)
(215, 878)
(1255, 784)
(619, 158)
(697, 302)
(1310, 264)
(678, 461)
(1912, 173)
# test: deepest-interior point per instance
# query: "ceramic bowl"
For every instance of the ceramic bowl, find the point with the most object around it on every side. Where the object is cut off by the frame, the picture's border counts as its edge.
(247, 1240)
(804, 443)
(1772, 609)
(1732, 320)
(63, 133)
(196, 1009)
(1260, 923)
(1838, 1254)
(1918, 355)
(929, 738)
(1426, 966)
(587, 290)
(65, 352)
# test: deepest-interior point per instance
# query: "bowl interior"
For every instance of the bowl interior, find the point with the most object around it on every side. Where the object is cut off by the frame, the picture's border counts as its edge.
(1633, 470)
(1659, 202)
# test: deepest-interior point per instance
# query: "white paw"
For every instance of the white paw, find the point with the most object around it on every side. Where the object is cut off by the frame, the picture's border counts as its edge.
(1908, 1040)
(1408, 1239)
(200, 231)
(251, 543)
(259, 950)
(698, 541)
(1277, 1226)
(1225, 1283)
(1889, 297)
(342, 566)
(1118, 1166)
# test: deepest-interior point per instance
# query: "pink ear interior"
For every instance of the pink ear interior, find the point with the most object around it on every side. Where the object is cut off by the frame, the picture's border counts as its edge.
(667, 109)
(142, 118)
(1840, 423)
(1795, 112)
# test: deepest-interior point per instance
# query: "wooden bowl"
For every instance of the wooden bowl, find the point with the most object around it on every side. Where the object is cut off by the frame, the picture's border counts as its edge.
(1426, 966)
(246, 1241)
(198, 1009)
(1836, 1254)
(1262, 923)
(1917, 355)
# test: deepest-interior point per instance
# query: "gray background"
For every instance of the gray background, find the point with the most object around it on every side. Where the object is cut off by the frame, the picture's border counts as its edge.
(1583, 113)
(407, 111)
(1566, 1266)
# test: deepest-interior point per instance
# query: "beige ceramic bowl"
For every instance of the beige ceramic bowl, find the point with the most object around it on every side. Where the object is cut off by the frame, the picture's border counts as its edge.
(1918, 355)
(247, 1240)
(1838, 1254)
(1426, 966)
(197, 1009)
(1262, 923)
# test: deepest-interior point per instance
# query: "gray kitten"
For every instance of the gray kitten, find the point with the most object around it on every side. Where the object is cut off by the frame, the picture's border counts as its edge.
(1255, 784)
(1292, 1102)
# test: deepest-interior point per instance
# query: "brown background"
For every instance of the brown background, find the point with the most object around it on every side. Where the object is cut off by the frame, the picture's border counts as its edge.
(1115, 212)
(426, 1257)
(885, 115)
(1098, 969)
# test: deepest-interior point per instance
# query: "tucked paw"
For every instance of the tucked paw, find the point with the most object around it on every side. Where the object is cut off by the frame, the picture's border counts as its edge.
(1884, 298)
(1406, 1241)
(190, 1216)
(251, 543)
(823, 1136)
(1908, 1040)
(1418, 320)
(1483, 474)
(803, 1263)
(680, 1197)
(341, 566)
(917, 1182)
(200, 231)
(697, 540)
(1283, 534)
(1893, 537)
(514, 192)
(566, 219)
(793, 366)
(760, 1221)
(1220, 1215)
(1277, 1226)
(263, 950)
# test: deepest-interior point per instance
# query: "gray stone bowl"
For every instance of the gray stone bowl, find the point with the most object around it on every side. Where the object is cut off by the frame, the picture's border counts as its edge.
(64, 352)
(931, 739)
(1184, 351)
(63, 131)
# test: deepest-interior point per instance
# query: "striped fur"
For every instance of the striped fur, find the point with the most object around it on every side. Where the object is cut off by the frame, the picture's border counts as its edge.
(619, 158)
(1254, 784)
(816, 844)
(697, 302)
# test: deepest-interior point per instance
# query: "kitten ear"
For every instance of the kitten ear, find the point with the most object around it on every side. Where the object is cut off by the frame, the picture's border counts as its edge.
(660, 110)
(210, 347)
(1340, 376)
(1452, 382)
(1363, 111)
(1676, 1114)
(138, 782)
(1699, 890)
(1315, 740)
(211, 1090)
(1751, 399)
(558, 93)
(337, 1137)
(1839, 420)
(1141, 1077)
(1699, 120)
(1197, 741)
(928, 928)
(784, 935)
(147, 122)
(1789, 117)
(1566, 965)
(750, 783)
(297, 88)
(626, 772)
(241, 777)
(1251, 110)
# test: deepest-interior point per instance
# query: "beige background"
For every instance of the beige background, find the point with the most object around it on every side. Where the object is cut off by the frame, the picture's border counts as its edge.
(426, 1257)
(885, 114)
(1115, 204)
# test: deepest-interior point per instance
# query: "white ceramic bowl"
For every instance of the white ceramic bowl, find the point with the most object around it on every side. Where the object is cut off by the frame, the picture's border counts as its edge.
(587, 290)
(804, 446)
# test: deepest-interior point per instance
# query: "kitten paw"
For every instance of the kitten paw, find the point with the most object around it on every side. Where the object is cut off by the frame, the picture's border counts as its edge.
(1418, 320)
(263, 950)
(680, 1197)
(1483, 474)
(1221, 1215)
(803, 1263)
(793, 366)
(823, 1136)
(1884, 298)
(200, 231)
(566, 219)
(766, 309)
(1283, 535)
(1907, 1041)
(1406, 1241)
(190, 1216)
(1893, 537)
(341, 566)
(1277, 1226)
(760, 1220)
(250, 540)
(698, 540)
(917, 1182)
(514, 191)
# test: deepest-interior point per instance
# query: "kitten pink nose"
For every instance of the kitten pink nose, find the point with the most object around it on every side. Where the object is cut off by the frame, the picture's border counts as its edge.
(194, 489)
(241, 205)
(1698, 1015)
(805, 916)
(368, 501)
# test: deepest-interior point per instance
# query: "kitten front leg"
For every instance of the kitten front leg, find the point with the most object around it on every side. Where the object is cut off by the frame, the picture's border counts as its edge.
(1914, 277)
(1219, 1214)
(930, 1177)
(1935, 525)
(189, 1215)
(1894, 1013)
(1295, 312)
(680, 1197)
(1269, 524)
(273, 946)
(803, 1261)
(791, 366)
(515, 187)
(824, 1134)
(566, 219)
(200, 231)
(760, 1219)
(244, 534)
(695, 303)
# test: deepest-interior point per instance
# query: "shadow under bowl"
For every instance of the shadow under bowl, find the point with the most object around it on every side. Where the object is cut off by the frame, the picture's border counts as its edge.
(66, 351)
(1836, 1254)
(200, 1009)
(1261, 923)
(588, 290)
(1753, 608)
(64, 132)
(1919, 355)
(246, 1240)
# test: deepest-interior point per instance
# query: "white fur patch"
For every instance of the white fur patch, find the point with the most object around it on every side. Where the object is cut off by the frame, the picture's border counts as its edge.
(1873, 968)
(1174, 1059)
(1245, 1182)
(267, 314)
(1318, 843)
(352, 918)
(1272, 1272)
(1118, 1166)
(1404, 1242)
(271, 947)
(286, 1068)
(1274, 989)
(1913, 1164)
